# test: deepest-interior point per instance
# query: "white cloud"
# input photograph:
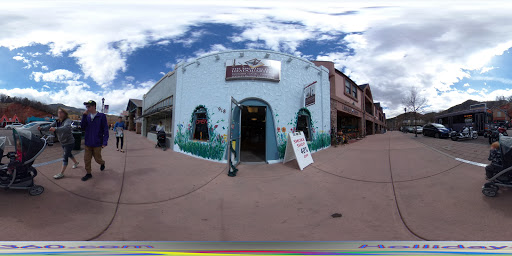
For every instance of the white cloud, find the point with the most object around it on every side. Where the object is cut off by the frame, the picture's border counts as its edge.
(423, 44)
(162, 73)
(46, 86)
(56, 76)
(486, 69)
(466, 85)
(490, 78)
(471, 90)
(24, 60)
(76, 92)
(129, 78)
(45, 68)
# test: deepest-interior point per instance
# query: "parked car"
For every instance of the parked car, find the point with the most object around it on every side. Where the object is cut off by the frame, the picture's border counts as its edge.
(76, 125)
(436, 130)
(32, 127)
(13, 125)
(419, 129)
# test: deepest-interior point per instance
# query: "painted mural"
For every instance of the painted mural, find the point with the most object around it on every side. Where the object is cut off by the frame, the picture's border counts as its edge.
(212, 148)
(319, 138)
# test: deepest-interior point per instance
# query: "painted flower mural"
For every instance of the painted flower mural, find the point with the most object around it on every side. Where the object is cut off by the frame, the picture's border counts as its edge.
(212, 148)
(319, 139)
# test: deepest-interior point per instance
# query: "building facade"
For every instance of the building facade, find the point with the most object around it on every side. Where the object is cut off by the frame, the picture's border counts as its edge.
(250, 99)
(8, 120)
(352, 108)
(133, 122)
(500, 114)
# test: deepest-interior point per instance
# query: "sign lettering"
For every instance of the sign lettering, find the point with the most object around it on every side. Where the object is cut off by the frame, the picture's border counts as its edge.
(297, 148)
(250, 69)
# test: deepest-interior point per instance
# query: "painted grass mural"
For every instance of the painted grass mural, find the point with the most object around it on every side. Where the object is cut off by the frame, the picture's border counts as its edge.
(213, 148)
(319, 139)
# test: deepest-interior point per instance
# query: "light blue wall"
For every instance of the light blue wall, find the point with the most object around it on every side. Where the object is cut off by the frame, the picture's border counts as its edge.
(202, 82)
(164, 88)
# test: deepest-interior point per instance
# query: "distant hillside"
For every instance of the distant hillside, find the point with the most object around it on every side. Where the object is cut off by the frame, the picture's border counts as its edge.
(21, 111)
(25, 108)
(465, 105)
(430, 117)
(71, 110)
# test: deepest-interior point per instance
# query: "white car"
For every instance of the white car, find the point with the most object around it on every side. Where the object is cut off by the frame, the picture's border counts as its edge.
(33, 128)
(12, 126)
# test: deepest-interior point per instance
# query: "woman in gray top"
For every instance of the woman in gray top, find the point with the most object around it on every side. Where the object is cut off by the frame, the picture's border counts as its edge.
(62, 127)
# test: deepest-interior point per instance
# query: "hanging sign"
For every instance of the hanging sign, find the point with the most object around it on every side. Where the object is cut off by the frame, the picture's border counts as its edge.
(309, 94)
(297, 148)
(251, 69)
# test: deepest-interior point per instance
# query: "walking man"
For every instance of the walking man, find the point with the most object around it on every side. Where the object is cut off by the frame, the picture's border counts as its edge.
(96, 136)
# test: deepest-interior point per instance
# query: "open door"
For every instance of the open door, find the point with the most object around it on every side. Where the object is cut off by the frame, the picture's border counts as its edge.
(234, 135)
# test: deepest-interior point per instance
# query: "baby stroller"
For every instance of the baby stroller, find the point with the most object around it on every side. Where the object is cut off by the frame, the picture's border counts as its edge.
(18, 173)
(503, 178)
(161, 140)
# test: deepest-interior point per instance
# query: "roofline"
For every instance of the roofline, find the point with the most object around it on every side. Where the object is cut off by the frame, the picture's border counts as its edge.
(185, 64)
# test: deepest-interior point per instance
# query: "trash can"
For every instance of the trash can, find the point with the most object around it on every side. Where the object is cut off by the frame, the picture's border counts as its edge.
(78, 140)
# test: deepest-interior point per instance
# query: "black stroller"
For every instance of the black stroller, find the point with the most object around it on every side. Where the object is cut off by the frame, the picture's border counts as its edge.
(503, 178)
(18, 173)
(161, 139)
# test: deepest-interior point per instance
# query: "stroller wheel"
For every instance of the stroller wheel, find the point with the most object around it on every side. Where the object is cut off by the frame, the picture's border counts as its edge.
(491, 186)
(489, 192)
(36, 190)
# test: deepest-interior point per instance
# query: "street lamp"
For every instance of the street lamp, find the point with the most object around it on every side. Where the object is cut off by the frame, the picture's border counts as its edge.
(405, 118)
(103, 105)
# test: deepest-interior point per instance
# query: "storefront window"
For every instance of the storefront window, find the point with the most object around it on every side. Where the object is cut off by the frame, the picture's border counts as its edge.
(347, 87)
(200, 123)
(304, 123)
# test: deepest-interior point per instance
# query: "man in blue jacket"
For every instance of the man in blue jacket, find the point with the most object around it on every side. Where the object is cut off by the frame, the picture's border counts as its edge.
(96, 136)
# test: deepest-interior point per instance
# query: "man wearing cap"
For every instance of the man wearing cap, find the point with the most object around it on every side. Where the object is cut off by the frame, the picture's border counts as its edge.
(96, 136)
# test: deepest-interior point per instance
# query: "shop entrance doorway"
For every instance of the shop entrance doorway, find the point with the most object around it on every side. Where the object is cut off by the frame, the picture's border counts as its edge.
(253, 133)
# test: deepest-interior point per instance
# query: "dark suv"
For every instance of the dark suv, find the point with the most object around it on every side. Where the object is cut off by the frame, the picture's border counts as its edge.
(436, 130)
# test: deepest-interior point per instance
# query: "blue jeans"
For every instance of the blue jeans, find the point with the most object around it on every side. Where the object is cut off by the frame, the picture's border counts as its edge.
(67, 153)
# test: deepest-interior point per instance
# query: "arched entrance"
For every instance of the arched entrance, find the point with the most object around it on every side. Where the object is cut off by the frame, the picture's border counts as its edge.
(254, 122)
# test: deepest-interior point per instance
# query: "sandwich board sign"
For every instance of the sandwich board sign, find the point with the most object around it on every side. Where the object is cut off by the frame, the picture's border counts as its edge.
(297, 148)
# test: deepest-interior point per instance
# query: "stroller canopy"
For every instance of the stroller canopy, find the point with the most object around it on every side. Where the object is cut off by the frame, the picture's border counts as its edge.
(30, 144)
(506, 150)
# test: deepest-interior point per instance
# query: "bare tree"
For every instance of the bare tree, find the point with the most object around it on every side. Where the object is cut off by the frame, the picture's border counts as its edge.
(415, 103)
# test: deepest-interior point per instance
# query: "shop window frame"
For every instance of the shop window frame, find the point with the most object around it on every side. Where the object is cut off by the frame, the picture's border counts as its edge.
(304, 112)
(352, 88)
(200, 110)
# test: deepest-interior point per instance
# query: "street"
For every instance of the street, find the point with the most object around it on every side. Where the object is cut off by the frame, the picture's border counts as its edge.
(391, 186)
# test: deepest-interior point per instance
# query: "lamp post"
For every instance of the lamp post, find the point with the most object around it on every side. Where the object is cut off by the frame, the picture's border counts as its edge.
(405, 118)
(103, 105)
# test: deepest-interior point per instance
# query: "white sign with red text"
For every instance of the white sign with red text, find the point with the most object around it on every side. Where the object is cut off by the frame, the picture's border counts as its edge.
(297, 148)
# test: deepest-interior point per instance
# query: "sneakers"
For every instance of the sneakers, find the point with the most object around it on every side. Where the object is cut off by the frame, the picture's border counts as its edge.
(75, 165)
(102, 167)
(86, 177)
(117, 149)
(58, 176)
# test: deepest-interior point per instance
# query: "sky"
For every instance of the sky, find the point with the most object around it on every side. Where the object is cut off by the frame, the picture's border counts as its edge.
(71, 51)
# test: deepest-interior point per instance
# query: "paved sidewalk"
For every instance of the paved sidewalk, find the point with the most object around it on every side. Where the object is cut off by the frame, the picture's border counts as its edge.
(148, 194)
